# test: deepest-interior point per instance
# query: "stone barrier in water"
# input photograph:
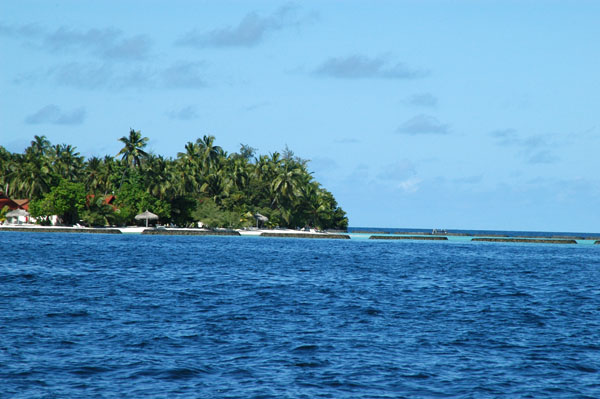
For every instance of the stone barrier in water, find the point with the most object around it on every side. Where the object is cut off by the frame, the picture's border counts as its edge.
(412, 233)
(61, 230)
(372, 232)
(526, 240)
(159, 232)
(306, 235)
(432, 238)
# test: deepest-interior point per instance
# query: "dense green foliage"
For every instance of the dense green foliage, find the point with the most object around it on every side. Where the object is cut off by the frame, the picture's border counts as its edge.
(203, 183)
(67, 201)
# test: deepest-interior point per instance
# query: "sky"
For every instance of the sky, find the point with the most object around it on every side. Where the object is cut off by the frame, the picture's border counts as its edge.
(418, 114)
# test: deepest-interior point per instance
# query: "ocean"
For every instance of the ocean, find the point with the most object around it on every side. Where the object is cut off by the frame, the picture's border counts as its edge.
(130, 316)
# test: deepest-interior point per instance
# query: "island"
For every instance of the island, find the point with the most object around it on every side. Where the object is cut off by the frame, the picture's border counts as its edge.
(202, 186)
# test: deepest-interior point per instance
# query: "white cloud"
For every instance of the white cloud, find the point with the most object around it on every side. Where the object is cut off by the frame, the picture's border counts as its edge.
(410, 185)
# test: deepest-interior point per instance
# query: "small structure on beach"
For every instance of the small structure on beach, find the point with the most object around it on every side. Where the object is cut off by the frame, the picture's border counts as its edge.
(260, 218)
(146, 216)
(18, 216)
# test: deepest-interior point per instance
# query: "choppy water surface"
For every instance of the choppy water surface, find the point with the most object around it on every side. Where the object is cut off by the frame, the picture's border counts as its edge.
(233, 317)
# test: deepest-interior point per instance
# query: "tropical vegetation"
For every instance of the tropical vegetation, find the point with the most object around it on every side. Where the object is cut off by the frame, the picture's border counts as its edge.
(203, 183)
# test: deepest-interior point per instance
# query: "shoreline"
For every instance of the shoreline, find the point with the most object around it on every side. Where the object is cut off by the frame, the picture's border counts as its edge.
(288, 233)
(312, 234)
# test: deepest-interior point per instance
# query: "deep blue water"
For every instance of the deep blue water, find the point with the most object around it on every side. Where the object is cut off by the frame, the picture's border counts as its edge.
(106, 316)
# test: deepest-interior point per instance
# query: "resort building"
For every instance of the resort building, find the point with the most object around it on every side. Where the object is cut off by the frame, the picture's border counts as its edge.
(18, 210)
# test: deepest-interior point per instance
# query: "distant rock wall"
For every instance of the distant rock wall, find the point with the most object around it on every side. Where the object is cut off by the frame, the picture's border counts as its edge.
(431, 238)
(306, 235)
(527, 240)
(158, 232)
(60, 230)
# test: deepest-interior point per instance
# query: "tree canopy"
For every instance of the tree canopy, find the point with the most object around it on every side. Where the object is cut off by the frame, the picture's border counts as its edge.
(203, 183)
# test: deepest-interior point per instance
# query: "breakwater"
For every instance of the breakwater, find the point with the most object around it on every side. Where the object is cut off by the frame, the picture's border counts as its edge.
(463, 237)
(159, 232)
(61, 230)
(402, 237)
(306, 235)
(525, 240)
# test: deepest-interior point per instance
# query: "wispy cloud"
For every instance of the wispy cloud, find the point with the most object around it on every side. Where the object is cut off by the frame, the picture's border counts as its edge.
(250, 31)
(535, 149)
(347, 140)
(52, 114)
(469, 179)
(427, 100)
(410, 185)
(129, 48)
(505, 137)
(20, 31)
(255, 106)
(323, 164)
(363, 67)
(81, 75)
(359, 176)
(95, 76)
(109, 44)
(543, 157)
(185, 113)
(184, 75)
(133, 78)
(401, 175)
(398, 171)
(423, 124)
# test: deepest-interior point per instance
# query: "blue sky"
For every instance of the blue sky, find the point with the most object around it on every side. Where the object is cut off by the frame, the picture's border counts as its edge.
(446, 114)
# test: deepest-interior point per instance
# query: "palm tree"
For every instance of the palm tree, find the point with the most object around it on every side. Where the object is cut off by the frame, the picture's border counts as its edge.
(67, 163)
(285, 185)
(209, 152)
(246, 152)
(216, 186)
(239, 172)
(29, 174)
(191, 154)
(188, 169)
(6, 165)
(315, 205)
(109, 174)
(133, 153)
(93, 172)
(31, 177)
(39, 146)
(158, 177)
